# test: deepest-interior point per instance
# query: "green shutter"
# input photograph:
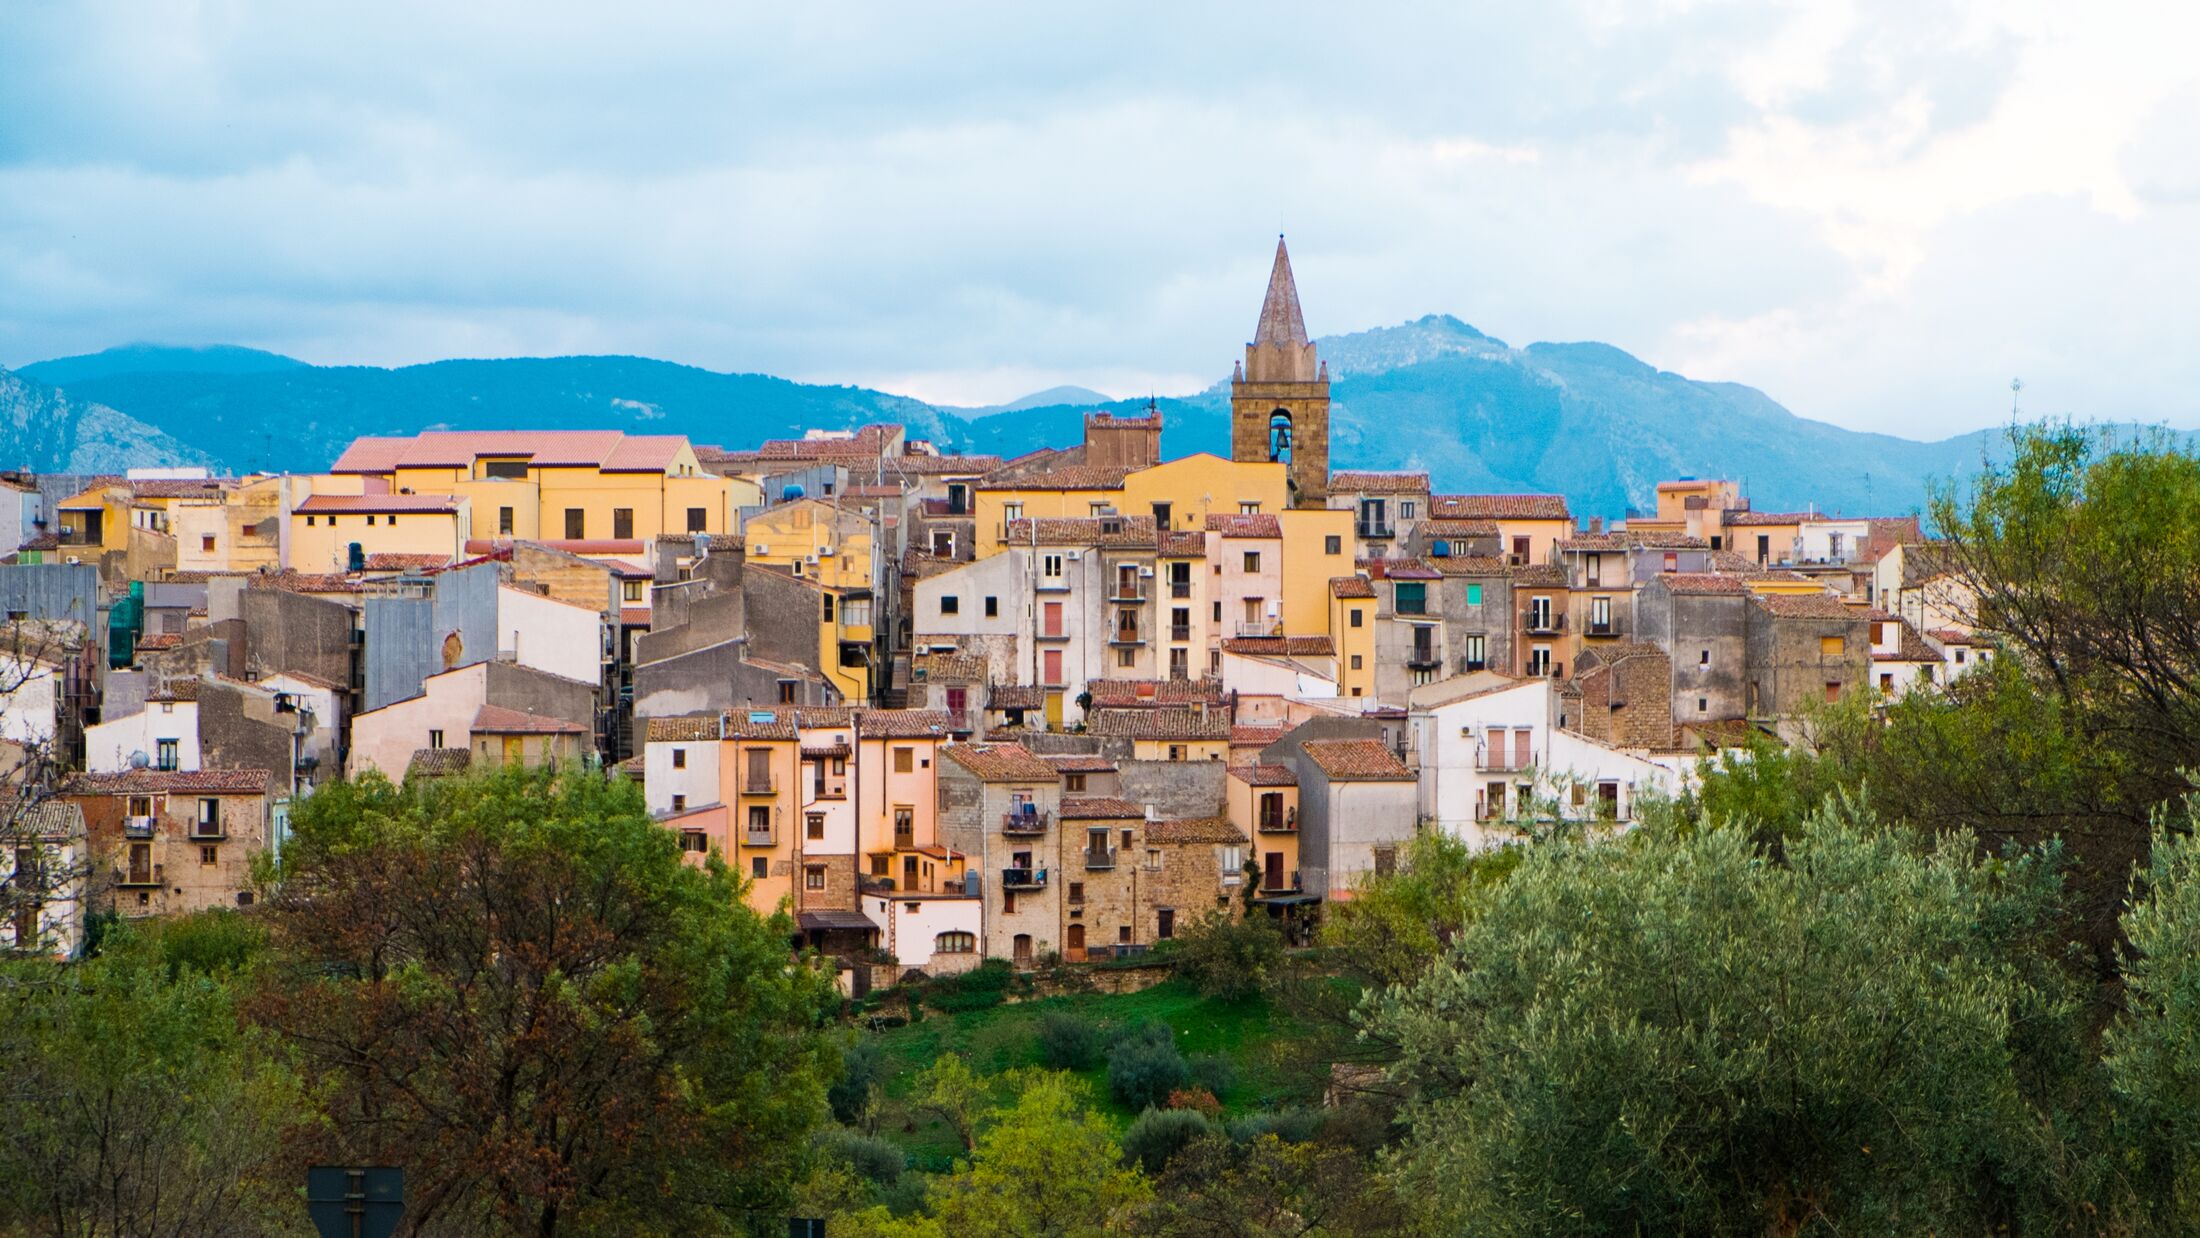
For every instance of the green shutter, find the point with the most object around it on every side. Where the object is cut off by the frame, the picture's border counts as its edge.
(1474, 595)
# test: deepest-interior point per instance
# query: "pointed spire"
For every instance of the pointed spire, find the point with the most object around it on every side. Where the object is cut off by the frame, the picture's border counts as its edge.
(1280, 320)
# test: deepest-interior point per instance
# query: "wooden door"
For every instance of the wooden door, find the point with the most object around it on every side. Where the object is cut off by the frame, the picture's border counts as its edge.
(1074, 944)
(1272, 878)
(1022, 949)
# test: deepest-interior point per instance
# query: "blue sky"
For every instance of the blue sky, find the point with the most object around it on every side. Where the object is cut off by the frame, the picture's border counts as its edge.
(1878, 213)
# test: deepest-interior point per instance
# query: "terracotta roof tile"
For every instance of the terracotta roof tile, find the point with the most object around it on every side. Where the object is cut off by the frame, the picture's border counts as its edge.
(1701, 583)
(1000, 762)
(390, 561)
(1079, 762)
(1127, 532)
(1355, 482)
(1164, 723)
(694, 728)
(902, 724)
(1356, 760)
(1281, 646)
(1099, 808)
(141, 781)
(1015, 696)
(1183, 544)
(1499, 506)
(1258, 525)
(351, 504)
(1733, 516)
(1954, 636)
(1804, 606)
(1351, 587)
(608, 450)
(1459, 528)
(1265, 775)
(1151, 692)
(437, 762)
(1257, 733)
(951, 667)
(1068, 477)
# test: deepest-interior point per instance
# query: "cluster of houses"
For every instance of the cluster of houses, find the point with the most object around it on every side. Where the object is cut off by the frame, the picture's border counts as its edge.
(937, 707)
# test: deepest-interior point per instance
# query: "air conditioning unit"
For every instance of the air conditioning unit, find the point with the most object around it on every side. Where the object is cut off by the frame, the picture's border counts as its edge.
(1145, 572)
(1075, 556)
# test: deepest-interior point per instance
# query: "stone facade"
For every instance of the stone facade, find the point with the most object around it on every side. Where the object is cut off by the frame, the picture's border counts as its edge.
(1279, 397)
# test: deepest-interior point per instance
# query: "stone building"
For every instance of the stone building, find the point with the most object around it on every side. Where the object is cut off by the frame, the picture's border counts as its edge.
(1279, 396)
(1804, 650)
(174, 841)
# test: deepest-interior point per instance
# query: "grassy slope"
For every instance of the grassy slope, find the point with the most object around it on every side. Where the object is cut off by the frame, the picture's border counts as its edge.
(1003, 1038)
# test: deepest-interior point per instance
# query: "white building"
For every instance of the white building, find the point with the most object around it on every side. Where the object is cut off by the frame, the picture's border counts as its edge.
(1495, 760)
(164, 735)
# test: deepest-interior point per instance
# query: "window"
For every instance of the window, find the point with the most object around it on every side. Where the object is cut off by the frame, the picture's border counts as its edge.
(993, 608)
(813, 878)
(576, 524)
(1074, 783)
(622, 522)
(1474, 595)
(679, 758)
(1218, 611)
(698, 519)
(1520, 550)
(1959, 657)
(1123, 935)
(1126, 657)
(210, 816)
(1176, 752)
(1764, 548)
(1012, 511)
(1333, 545)
(1593, 569)
(1354, 615)
(760, 867)
(1165, 923)
(165, 755)
(370, 521)
(950, 604)
(435, 739)
(309, 521)
(206, 543)
(1472, 652)
(1600, 615)
(1406, 508)
(1355, 661)
(679, 803)
(955, 942)
(826, 603)
(209, 854)
(1233, 865)
(1703, 657)
(1833, 692)
(632, 589)
(1539, 614)
(1386, 861)
(905, 760)
(813, 826)
(786, 691)
(1050, 566)
(1051, 666)
(1076, 892)
(1410, 597)
(1703, 704)
(1252, 561)
(141, 805)
(504, 522)
(1831, 646)
(1539, 660)
(1127, 839)
(1251, 508)
(943, 543)
(507, 470)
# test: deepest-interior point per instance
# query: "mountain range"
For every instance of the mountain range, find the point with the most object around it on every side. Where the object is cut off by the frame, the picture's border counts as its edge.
(1585, 420)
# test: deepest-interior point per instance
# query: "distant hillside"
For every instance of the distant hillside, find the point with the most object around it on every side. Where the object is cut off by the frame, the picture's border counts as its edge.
(1585, 420)
(45, 431)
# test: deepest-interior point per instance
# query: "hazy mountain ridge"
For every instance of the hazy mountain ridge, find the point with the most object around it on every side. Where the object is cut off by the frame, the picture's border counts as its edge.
(1583, 419)
(45, 431)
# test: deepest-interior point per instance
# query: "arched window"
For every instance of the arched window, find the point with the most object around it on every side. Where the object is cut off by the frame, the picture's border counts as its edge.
(955, 943)
(1279, 436)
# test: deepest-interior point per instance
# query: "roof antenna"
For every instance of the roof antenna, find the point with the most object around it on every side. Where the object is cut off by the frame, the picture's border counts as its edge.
(2016, 387)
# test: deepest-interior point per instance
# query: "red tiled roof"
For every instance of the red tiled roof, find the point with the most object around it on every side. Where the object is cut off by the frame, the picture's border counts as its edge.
(1099, 808)
(304, 582)
(181, 488)
(1000, 762)
(390, 561)
(1149, 692)
(1540, 575)
(1257, 732)
(902, 724)
(1499, 506)
(1015, 696)
(1804, 606)
(1459, 528)
(1068, 477)
(634, 616)
(1648, 539)
(1281, 646)
(437, 762)
(1701, 582)
(1183, 544)
(1244, 525)
(1131, 532)
(1734, 516)
(1351, 587)
(497, 720)
(1356, 482)
(1356, 760)
(694, 728)
(1952, 636)
(1080, 762)
(1172, 722)
(145, 781)
(160, 640)
(351, 504)
(1265, 775)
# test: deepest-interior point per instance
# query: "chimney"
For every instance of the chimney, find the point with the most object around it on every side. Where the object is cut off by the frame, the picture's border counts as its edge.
(1596, 524)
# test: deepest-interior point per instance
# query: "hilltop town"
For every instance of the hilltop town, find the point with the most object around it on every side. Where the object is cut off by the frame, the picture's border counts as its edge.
(939, 708)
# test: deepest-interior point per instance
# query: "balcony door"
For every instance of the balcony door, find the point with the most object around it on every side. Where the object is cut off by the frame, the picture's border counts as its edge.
(1272, 875)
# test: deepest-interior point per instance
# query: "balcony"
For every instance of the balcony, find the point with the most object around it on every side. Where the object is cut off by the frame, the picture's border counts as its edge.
(1132, 596)
(1126, 636)
(1543, 623)
(1025, 823)
(1424, 657)
(139, 875)
(1023, 879)
(1259, 627)
(1099, 859)
(905, 840)
(1180, 631)
(1373, 530)
(208, 832)
(1285, 823)
(1275, 885)
(1180, 589)
(753, 785)
(1610, 627)
(138, 827)
(764, 837)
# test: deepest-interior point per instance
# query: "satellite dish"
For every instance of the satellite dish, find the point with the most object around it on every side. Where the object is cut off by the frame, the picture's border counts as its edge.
(138, 760)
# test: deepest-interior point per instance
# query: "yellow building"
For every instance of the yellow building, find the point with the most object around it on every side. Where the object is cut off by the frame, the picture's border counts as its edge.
(1263, 801)
(325, 527)
(556, 486)
(1075, 491)
(1529, 526)
(1766, 537)
(816, 540)
(1352, 624)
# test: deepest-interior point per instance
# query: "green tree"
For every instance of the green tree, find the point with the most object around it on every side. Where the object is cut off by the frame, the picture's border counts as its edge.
(1047, 1167)
(1680, 1032)
(1229, 958)
(514, 987)
(950, 1089)
(134, 1101)
(1269, 1188)
(2154, 1047)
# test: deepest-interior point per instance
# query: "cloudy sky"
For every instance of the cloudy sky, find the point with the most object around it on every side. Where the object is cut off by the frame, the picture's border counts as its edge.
(1878, 213)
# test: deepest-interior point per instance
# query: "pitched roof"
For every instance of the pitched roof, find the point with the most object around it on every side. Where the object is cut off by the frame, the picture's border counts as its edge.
(1737, 516)
(1000, 762)
(1129, 532)
(1910, 647)
(1355, 482)
(1499, 506)
(1150, 692)
(693, 728)
(1954, 636)
(1066, 477)
(1194, 830)
(437, 762)
(951, 667)
(1351, 587)
(1244, 525)
(1099, 808)
(1540, 575)
(1257, 732)
(1183, 544)
(304, 582)
(1356, 760)
(1648, 539)
(1265, 775)
(1456, 527)
(1164, 723)
(350, 504)
(1701, 582)
(391, 561)
(145, 781)
(1804, 606)
(1281, 646)
(760, 723)
(1015, 696)
(903, 723)
(1079, 762)
(497, 720)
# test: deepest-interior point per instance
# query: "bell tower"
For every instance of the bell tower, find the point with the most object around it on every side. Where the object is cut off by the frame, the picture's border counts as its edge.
(1279, 397)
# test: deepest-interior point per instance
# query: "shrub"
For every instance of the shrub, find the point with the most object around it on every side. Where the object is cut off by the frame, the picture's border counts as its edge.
(879, 1160)
(1289, 1125)
(1226, 958)
(1069, 1041)
(1199, 1099)
(862, 1064)
(1213, 1072)
(1159, 1134)
(983, 986)
(1146, 1066)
